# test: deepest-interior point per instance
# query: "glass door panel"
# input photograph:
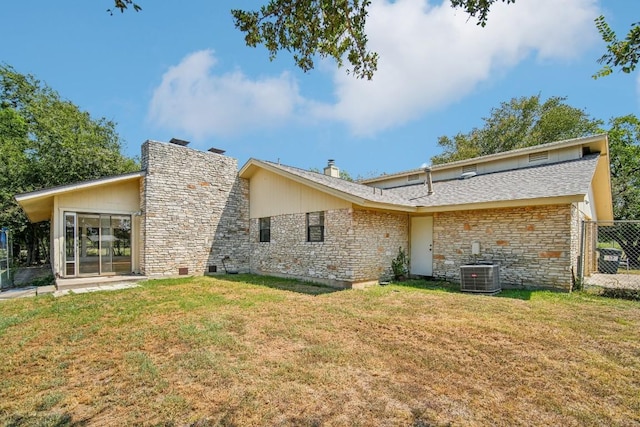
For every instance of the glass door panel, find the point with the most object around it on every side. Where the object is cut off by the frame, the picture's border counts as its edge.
(97, 244)
(106, 245)
(89, 244)
(121, 243)
(70, 244)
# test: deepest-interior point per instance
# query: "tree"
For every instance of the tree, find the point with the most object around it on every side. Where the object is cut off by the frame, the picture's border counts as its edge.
(524, 122)
(521, 122)
(624, 152)
(324, 28)
(620, 53)
(47, 141)
(333, 28)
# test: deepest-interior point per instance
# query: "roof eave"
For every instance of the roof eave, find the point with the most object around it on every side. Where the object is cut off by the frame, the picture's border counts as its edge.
(37, 205)
(600, 141)
(252, 164)
(558, 200)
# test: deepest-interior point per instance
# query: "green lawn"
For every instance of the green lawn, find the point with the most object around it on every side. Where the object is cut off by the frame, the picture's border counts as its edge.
(265, 351)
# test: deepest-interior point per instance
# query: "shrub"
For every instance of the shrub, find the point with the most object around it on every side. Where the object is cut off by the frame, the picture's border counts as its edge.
(43, 281)
(621, 293)
(400, 264)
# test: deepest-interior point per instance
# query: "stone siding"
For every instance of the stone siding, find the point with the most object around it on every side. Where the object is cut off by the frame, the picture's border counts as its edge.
(378, 236)
(358, 247)
(195, 211)
(534, 245)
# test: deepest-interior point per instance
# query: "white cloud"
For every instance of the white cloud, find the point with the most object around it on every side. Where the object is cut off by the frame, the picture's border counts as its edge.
(192, 100)
(431, 55)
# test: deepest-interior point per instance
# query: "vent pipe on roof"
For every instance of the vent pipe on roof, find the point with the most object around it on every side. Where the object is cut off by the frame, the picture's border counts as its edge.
(180, 142)
(427, 181)
(332, 169)
(216, 150)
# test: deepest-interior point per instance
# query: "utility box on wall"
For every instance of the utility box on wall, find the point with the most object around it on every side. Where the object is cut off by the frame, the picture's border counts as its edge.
(480, 278)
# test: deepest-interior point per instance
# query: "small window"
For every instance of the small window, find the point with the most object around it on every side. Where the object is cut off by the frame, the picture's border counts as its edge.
(315, 227)
(265, 229)
(413, 177)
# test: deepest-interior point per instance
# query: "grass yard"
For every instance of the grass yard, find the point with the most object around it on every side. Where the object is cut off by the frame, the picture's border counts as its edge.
(264, 351)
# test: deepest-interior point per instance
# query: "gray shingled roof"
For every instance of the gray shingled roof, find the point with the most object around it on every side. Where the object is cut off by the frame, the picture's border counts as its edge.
(568, 178)
(350, 188)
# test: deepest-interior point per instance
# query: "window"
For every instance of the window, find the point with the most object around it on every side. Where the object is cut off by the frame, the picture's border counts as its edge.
(265, 229)
(315, 227)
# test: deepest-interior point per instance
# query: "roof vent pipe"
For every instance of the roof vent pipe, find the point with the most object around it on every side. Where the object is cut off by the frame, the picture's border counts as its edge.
(180, 142)
(427, 181)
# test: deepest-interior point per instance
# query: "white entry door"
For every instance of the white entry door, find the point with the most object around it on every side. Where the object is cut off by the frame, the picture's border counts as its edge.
(422, 245)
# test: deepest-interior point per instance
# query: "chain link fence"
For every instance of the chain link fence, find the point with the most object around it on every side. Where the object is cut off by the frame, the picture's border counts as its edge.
(610, 254)
(6, 261)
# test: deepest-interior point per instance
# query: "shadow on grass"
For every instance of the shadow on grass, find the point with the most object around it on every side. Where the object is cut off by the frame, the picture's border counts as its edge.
(440, 285)
(43, 419)
(282, 284)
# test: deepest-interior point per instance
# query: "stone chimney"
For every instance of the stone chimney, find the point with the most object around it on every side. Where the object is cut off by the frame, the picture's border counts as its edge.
(332, 169)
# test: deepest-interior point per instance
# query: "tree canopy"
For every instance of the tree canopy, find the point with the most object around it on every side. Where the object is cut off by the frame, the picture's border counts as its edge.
(319, 28)
(335, 28)
(623, 54)
(47, 141)
(520, 122)
(624, 151)
(526, 121)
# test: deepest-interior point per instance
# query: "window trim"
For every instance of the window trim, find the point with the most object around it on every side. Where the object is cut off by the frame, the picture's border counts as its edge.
(320, 226)
(264, 229)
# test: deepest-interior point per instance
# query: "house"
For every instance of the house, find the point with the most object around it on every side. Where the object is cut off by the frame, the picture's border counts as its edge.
(189, 210)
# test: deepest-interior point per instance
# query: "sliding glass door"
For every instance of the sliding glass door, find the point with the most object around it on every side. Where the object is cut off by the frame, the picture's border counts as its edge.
(97, 244)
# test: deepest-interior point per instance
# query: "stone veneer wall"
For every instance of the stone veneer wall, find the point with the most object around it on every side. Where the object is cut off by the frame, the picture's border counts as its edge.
(378, 236)
(195, 211)
(358, 247)
(534, 245)
(576, 231)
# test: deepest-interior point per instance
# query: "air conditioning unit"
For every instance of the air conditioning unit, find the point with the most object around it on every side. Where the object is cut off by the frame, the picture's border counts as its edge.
(480, 278)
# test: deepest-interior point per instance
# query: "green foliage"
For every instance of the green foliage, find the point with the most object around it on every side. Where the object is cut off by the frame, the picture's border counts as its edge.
(621, 293)
(47, 141)
(521, 122)
(319, 28)
(477, 8)
(620, 53)
(624, 152)
(336, 29)
(311, 28)
(122, 5)
(43, 281)
(400, 264)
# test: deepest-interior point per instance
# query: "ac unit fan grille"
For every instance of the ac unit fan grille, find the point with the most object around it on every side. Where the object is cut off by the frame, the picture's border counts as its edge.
(480, 278)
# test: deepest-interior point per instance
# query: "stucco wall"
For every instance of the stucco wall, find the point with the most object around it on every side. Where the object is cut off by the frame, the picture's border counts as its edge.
(358, 247)
(115, 198)
(195, 211)
(534, 245)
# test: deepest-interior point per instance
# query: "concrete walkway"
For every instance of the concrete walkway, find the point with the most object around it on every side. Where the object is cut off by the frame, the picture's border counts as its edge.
(76, 286)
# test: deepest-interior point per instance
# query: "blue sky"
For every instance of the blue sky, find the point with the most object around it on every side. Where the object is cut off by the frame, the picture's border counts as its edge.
(181, 69)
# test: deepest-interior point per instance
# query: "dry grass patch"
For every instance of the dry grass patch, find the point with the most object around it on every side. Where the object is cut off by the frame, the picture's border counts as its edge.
(263, 351)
